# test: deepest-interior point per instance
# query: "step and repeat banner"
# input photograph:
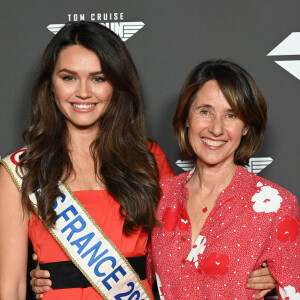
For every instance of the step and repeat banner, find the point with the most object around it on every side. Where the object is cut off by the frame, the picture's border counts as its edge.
(166, 40)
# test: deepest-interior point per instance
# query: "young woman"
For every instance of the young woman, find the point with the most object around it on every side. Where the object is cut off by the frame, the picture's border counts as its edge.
(87, 131)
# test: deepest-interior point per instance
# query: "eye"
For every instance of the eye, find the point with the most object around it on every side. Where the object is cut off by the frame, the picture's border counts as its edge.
(204, 112)
(98, 79)
(68, 78)
(231, 116)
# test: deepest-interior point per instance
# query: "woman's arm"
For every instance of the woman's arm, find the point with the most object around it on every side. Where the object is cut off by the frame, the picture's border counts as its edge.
(13, 240)
(260, 279)
(284, 262)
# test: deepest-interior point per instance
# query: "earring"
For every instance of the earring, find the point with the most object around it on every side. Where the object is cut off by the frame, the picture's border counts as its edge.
(53, 97)
(245, 132)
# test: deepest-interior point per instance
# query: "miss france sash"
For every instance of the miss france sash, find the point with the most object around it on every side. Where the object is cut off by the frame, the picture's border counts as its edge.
(86, 244)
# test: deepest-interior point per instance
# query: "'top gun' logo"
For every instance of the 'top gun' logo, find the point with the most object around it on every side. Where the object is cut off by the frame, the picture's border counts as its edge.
(113, 21)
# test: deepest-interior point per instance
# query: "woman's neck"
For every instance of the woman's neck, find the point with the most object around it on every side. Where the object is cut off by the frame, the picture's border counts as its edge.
(83, 176)
(80, 140)
(211, 178)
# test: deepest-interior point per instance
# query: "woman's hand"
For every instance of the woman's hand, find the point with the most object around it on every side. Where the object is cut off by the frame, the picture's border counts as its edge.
(261, 279)
(39, 282)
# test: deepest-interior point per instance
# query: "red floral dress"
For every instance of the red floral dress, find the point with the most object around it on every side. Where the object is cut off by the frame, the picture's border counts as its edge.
(254, 220)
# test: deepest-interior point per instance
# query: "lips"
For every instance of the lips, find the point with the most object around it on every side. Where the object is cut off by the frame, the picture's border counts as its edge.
(83, 106)
(213, 143)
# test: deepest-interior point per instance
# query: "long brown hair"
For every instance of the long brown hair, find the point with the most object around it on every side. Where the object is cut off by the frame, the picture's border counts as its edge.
(120, 151)
(242, 94)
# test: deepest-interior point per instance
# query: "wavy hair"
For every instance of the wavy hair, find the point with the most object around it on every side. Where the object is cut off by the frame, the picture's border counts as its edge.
(242, 94)
(120, 151)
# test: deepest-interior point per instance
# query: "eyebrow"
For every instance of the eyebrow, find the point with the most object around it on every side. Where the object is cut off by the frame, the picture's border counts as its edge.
(204, 106)
(212, 107)
(75, 73)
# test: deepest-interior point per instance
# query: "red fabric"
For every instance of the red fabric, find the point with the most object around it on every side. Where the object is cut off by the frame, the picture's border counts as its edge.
(105, 211)
(163, 165)
(254, 220)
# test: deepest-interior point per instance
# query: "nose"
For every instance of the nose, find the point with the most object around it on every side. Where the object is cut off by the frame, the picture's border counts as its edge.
(216, 126)
(83, 90)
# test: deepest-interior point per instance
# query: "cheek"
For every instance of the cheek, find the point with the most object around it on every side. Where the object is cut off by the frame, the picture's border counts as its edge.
(62, 91)
(196, 126)
(104, 93)
(193, 133)
(236, 133)
(109, 94)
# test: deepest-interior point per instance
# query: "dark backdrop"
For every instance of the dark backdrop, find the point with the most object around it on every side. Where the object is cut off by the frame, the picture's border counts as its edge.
(174, 36)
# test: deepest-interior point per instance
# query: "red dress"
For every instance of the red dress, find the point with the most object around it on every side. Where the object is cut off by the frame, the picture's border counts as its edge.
(105, 211)
(254, 220)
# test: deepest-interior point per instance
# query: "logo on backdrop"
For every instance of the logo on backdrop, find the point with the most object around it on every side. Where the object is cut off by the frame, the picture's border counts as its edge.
(289, 46)
(113, 21)
(256, 164)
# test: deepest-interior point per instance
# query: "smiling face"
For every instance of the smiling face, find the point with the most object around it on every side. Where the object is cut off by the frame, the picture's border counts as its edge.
(214, 131)
(81, 90)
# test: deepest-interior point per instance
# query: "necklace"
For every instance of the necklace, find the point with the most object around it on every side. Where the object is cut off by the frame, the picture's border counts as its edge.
(205, 206)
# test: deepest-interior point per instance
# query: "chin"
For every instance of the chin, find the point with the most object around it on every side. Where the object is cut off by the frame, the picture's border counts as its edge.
(213, 162)
(84, 125)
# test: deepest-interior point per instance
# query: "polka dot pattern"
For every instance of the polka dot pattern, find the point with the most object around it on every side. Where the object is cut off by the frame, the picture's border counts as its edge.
(243, 230)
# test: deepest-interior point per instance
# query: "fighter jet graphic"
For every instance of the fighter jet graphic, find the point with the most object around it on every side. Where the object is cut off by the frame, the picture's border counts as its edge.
(125, 30)
(256, 164)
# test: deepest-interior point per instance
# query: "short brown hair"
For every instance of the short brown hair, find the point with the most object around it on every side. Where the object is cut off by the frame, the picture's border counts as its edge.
(242, 94)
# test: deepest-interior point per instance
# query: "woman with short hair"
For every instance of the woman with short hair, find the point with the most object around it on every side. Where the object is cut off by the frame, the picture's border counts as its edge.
(219, 221)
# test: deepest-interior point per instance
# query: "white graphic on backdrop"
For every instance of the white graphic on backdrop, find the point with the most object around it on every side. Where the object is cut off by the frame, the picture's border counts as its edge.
(185, 165)
(256, 164)
(124, 30)
(289, 46)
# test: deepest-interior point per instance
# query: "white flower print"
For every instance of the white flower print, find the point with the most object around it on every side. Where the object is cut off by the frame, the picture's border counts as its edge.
(184, 221)
(198, 248)
(289, 292)
(266, 200)
(159, 287)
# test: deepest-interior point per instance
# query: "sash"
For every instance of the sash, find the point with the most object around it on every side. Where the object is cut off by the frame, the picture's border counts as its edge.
(94, 254)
